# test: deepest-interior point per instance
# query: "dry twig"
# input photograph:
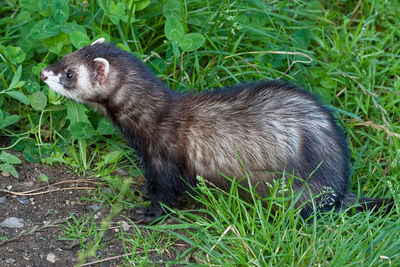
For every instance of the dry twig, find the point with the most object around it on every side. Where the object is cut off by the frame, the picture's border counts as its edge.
(34, 192)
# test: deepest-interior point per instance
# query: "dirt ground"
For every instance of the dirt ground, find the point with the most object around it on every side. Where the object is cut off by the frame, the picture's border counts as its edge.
(38, 242)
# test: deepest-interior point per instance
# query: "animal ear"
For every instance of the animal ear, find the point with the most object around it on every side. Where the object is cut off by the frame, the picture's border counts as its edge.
(98, 41)
(101, 69)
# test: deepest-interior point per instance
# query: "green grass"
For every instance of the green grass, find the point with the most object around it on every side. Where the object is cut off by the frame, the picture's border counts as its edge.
(355, 51)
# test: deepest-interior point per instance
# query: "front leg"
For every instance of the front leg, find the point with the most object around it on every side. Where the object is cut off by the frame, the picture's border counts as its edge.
(152, 213)
(162, 186)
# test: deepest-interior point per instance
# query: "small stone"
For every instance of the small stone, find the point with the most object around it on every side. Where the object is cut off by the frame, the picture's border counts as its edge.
(13, 222)
(95, 207)
(125, 226)
(3, 200)
(98, 215)
(10, 261)
(24, 200)
(51, 258)
(28, 184)
(5, 174)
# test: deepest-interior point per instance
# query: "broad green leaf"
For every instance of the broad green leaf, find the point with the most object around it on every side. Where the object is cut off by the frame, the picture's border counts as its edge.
(328, 83)
(56, 49)
(9, 168)
(173, 29)
(43, 178)
(44, 29)
(30, 152)
(243, 19)
(303, 37)
(53, 41)
(60, 10)
(172, 8)
(112, 157)
(323, 94)
(105, 5)
(259, 19)
(36, 69)
(17, 144)
(191, 42)
(54, 98)
(114, 19)
(79, 39)
(9, 158)
(81, 130)
(105, 127)
(72, 26)
(142, 4)
(45, 8)
(31, 5)
(9, 120)
(19, 96)
(3, 50)
(315, 6)
(175, 49)
(55, 157)
(16, 77)
(23, 16)
(19, 84)
(158, 66)
(38, 101)
(32, 87)
(76, 112)
(119, 8)
(118, 13)
(15, 54)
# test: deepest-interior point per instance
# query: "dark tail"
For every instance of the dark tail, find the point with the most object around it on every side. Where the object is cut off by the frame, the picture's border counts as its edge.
(365, 203)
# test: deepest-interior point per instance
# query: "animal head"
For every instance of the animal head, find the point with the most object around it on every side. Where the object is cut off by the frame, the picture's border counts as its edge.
(84, 75)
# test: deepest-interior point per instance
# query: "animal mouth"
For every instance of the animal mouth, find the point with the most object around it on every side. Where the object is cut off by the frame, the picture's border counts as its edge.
(43, 77)
(51, 80)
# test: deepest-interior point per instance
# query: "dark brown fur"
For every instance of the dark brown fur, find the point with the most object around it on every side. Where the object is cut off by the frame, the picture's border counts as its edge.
(273, 127)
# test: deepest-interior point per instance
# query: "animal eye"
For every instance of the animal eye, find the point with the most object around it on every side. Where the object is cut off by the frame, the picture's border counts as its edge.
(70, 75)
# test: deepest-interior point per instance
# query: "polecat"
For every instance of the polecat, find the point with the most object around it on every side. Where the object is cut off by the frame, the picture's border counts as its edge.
(269, 127)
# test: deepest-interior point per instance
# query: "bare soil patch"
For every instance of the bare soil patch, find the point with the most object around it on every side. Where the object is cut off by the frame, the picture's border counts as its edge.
(38, 242)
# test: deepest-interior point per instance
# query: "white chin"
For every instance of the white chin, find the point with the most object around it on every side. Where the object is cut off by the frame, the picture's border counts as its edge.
(58, 88)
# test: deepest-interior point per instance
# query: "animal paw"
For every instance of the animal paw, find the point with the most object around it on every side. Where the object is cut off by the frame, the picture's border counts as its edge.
(146, 215)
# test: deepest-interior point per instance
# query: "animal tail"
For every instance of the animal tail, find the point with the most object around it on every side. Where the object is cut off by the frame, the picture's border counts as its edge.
(366, 203)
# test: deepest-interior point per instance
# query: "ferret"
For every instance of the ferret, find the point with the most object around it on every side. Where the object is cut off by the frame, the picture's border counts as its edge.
(258, 130)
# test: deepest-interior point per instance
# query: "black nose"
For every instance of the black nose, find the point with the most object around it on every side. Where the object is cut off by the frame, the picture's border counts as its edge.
(42, 76)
